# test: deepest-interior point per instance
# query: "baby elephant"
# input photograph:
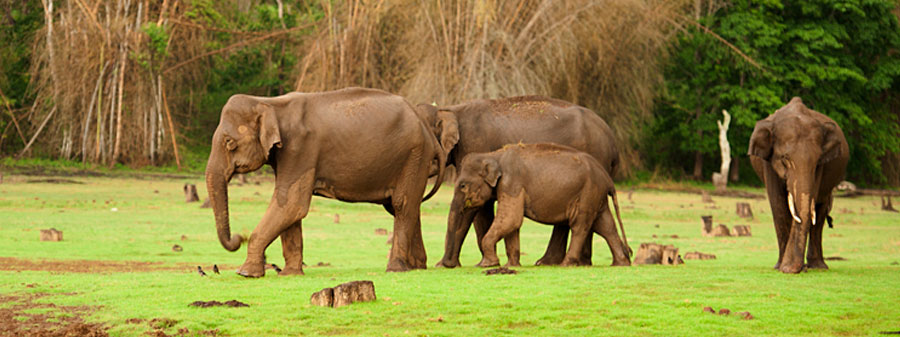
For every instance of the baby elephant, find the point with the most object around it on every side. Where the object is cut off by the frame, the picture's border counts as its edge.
(548, 183)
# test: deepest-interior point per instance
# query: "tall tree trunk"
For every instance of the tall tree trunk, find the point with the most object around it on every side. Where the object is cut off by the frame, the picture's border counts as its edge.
(116, 147)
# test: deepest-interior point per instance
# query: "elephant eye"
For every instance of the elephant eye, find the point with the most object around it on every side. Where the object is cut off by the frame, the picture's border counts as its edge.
(230, 143)
(462, 186)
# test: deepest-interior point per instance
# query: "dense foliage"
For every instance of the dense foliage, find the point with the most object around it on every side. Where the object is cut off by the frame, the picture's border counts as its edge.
(839, 56)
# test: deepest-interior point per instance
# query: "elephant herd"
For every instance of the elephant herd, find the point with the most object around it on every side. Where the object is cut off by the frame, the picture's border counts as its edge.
(546, 159)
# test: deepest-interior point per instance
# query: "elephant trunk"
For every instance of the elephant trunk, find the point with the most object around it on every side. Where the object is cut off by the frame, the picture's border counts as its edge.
(457, 228)
(217, 176)
(801, 198)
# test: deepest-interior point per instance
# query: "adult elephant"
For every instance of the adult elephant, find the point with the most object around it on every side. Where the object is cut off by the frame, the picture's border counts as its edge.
(801, 155)
(355, 144)
(486, 125)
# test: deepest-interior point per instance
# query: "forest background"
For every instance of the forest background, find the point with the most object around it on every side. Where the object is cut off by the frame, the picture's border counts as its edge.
(140, 83)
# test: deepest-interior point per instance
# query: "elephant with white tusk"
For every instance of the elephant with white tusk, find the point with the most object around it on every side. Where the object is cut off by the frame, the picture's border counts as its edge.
(801, 155)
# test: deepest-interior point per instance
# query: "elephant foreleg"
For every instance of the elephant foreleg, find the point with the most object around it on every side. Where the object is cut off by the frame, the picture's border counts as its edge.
(292, 248)
(510, 213)
(483, 219)
(814, 256)
(289, 205)
(512, 249)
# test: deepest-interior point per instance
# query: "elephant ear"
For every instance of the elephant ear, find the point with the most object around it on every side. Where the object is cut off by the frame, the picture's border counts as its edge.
(761, 141)
(269, 134)
(831, 147)
(491, 172)
(448, 127)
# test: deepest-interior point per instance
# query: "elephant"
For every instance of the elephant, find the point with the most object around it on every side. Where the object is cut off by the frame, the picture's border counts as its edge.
(354, 145)
(486, 125)
(548, 183)
(801, 155)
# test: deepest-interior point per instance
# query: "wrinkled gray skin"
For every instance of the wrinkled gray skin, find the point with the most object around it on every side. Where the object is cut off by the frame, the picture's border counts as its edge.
(548, 183)
(486, 125)
(801, 155)
(355, 145)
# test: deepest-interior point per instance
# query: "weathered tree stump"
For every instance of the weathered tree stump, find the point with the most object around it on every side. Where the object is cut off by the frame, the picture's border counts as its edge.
(323, 298)
(190, 193)
(886, 205)
(707, 224)
(698, 256)
(337, 218)
(205, 203)
(652, 253)
(741, 230)
(344, 294)
(706, 197)
(51, 234)
(743, 210)
(381, 231)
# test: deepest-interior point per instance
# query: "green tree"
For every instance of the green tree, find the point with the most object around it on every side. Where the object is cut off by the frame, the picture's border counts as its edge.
(839, 56)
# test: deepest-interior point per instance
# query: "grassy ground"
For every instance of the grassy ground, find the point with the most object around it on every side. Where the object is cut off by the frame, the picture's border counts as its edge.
(858, 296)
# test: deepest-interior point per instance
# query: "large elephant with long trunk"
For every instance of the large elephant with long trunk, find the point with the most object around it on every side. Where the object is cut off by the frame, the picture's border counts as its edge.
(801, 155)
(485, 125)
(355, 144)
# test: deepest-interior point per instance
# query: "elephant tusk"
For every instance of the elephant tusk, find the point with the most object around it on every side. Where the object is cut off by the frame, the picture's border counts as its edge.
(813, 206)
(791, 206)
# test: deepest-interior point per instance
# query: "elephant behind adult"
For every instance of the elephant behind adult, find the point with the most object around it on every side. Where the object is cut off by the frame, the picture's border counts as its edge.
(801, 155)
(355, 144)
(486, 125)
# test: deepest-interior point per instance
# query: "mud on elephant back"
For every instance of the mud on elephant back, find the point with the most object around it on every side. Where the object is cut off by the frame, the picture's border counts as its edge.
(355, 144)
(801, 155)
(486, 125)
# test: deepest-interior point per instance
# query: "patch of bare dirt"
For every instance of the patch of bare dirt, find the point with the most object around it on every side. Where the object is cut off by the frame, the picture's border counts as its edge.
(231, 303)
(92, 266)
(501, 270)
(48, 320)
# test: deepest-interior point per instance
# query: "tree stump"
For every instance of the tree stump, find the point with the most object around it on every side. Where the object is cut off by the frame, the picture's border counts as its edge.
(741, 230)
(886, 205)
(381, 231)
(323, 298)
(706, 197)
(205, 203)
(707, 224)
(344, 294)
(652, 253)
(744, 210)
(190, 193)
(337, 218)
(698, 256)
(51, 234)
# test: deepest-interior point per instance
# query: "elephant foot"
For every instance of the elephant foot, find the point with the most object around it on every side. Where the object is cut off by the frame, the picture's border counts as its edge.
(792, 268)
(585, 262)
(398, 266)
(817, 264)
(447, 264)
(250, 269)
(571, 263)
(625, 263)
(512, 264)
(488, 263)
(288, 271)
(777, 266)
(549, 260)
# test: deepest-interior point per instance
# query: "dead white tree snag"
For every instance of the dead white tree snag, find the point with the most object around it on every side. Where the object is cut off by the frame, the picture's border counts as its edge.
(720, 179)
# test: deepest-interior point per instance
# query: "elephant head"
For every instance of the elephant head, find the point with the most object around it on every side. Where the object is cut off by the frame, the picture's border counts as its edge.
(478, 177)
(247, 132)
(444, 125)
(797, 144)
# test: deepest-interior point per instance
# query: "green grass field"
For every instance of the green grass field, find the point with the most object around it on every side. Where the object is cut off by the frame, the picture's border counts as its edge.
(858, 296)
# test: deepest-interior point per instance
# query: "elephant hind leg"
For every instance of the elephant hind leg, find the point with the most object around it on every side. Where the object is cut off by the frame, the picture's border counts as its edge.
(606, 227)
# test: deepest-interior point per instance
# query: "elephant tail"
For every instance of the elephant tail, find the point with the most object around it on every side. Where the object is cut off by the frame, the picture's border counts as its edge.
(615, 199)
(442, 167)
